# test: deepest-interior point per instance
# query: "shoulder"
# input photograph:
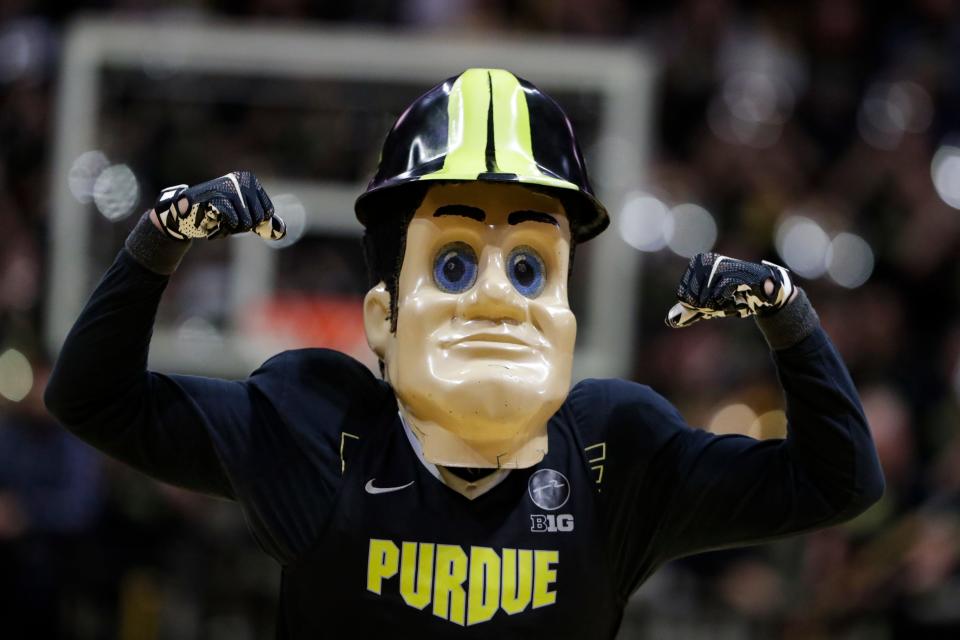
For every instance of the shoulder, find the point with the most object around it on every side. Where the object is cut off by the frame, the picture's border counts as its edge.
(612, 407)
(317, 364)
(614, 396)
(319, 374)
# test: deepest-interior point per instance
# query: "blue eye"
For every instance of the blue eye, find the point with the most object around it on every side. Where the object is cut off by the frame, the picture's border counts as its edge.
(455, 268)
(526, 271)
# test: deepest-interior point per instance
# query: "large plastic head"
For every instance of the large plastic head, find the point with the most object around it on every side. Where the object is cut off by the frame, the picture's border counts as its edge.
(482, 187)
(486, 125)
(483, 348)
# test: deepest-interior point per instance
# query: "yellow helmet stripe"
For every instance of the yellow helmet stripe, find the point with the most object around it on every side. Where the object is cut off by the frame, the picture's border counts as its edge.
(467, 109)
(511, 126)
(484, 103)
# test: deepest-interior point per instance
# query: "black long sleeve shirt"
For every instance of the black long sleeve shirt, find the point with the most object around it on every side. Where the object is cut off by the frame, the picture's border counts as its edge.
(312, 448)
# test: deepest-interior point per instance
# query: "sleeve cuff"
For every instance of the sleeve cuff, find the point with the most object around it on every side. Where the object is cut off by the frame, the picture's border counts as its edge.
(155, 251)
(791, 324)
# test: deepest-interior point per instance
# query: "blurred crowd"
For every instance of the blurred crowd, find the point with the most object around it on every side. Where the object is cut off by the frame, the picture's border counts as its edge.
(841, 116)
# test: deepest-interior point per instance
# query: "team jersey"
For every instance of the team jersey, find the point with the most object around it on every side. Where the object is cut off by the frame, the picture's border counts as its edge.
(371, 541)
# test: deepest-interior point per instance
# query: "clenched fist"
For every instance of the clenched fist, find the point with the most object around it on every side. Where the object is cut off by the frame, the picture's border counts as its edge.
(716, 286)
(233, 203)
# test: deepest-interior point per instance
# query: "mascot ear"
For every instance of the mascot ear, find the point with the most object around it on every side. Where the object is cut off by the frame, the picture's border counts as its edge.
(376, 319)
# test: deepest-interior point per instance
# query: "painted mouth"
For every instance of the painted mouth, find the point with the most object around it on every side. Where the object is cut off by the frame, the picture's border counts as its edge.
(489, 340)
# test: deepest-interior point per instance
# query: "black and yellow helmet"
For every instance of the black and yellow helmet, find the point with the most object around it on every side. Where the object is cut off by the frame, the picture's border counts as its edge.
(486, 124)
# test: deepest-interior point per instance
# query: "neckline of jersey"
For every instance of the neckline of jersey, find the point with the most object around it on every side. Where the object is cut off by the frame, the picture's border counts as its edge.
(498, 476)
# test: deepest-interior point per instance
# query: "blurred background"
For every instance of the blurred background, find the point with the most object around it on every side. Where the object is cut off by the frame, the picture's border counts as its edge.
(822, 135)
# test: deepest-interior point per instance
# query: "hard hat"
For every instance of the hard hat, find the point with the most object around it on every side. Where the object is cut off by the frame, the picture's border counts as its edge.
(486, 124)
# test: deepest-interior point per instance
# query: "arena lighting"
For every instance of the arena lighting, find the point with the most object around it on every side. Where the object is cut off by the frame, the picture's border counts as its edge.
(945, 171)
(116, 192)
(749, 133)
(772, 424)
(84, 173)
(751, 109)
(733, 418)
(802, 244)
(689, 230)
(849, 260)
(16, 375)
(753, 96)
(25, 48)
(890, 109)
(642, 222)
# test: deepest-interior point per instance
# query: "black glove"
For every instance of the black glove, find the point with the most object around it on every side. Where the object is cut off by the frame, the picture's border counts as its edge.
(233, 203)
(716, 286)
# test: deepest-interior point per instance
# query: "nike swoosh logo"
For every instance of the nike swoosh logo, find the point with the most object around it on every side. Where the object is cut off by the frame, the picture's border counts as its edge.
(714, 270)
(375, 490)
(236, 185)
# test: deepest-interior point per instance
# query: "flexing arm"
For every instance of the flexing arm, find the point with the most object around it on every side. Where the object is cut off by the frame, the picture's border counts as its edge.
(101, 390)
(100, 387)
(733, 489)
(216, 436)
(672, 490)
(737, 490)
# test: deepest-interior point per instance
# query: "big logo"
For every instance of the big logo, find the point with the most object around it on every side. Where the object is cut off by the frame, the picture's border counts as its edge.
(548, 489)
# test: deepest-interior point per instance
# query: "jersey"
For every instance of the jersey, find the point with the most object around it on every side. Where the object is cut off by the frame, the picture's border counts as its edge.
(312, 448)
(404, 551)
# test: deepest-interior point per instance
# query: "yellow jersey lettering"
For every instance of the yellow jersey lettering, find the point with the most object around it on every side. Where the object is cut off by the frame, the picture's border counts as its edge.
(464, 589)
(517, 580)
(484, 587)
(543, 577)
(416, 578)
(449, 599)
(381, 563)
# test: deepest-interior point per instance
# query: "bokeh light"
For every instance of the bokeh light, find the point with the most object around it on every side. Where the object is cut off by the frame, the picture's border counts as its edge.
(116, 192)
(772, 424)
(16, 375)
(734, 418)
(802, 244)
(945, 171)
(849, 260)
(642, 222)
(753, 96)
(690, 229)
(889, 109)
(751, 108)
(196, 329)
(294, 215)
(24, 48)
(84, 173)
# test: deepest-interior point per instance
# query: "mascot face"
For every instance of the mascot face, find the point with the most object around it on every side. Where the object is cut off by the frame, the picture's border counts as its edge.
(482, 353)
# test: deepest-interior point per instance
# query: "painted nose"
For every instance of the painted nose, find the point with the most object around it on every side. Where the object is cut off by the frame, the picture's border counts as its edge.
(493, 296)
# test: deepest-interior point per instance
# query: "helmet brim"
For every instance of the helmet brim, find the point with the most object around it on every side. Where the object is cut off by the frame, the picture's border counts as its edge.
(587, 215)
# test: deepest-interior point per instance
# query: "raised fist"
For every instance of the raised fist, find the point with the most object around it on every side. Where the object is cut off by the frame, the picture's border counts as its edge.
(716, 286)
(233, 203)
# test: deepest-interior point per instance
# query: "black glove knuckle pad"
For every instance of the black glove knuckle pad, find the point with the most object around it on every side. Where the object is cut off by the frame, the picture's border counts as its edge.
(253, 205)
(715, 285)
(226, 209)
(233, 203)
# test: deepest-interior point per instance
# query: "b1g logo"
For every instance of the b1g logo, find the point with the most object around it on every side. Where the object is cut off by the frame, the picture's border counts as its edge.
(548, 489)
(550, 523)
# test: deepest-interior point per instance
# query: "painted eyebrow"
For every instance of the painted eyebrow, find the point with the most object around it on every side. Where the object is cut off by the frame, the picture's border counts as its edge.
(529, 215)
(460, 210)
